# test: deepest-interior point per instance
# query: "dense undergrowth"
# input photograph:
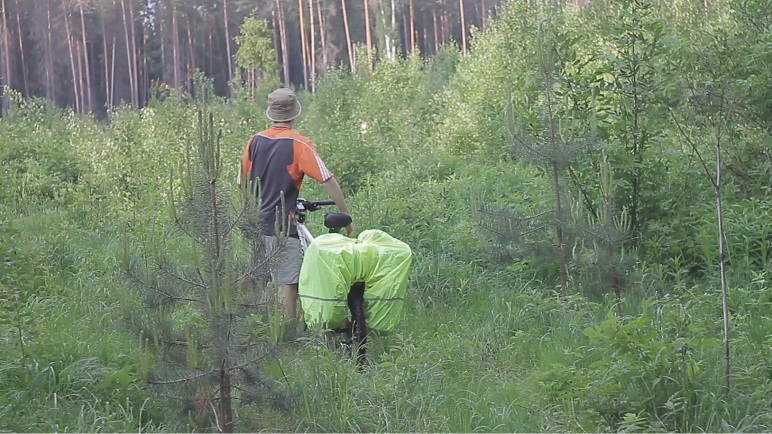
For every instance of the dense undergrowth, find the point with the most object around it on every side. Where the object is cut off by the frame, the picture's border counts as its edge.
(424, 149)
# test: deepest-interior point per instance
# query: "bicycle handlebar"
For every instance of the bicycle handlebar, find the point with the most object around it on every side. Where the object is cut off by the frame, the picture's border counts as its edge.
(314, 205)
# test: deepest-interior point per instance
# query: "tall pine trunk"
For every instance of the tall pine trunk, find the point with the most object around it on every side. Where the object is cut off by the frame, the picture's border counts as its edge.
(191, 54)
(7, 59)
(112, 75)
(284, 46)
(227, 42)
(349, 46)
(484, 16)
(72, 58)
(81, 86)
(412, 27)
(25, 77)
(463, 25)
(86, 70)
(312, 44)
(368, 35)
(394, 32)
(50, 76)
(322, 39)
(128, 54)
(105, 59)
(135, 93)
(436, 32)
(303, 46)
(175, 45)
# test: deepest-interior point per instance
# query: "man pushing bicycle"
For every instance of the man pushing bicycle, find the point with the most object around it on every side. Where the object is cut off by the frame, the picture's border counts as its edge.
(277, 160)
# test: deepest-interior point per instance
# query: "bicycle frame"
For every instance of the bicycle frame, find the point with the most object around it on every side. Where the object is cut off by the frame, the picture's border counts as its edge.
(356, 328)
(304, 234)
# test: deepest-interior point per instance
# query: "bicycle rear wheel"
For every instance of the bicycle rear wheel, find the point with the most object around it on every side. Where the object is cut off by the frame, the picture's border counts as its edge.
(356, 305)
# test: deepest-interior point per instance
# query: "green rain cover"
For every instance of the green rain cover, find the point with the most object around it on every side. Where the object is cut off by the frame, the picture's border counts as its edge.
(333, 262)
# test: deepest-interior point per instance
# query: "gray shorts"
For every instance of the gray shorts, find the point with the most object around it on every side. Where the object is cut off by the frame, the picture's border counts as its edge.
(285, 259)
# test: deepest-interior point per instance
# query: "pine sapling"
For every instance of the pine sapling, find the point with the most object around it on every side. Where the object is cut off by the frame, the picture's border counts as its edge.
(205, 324)
(547, 137)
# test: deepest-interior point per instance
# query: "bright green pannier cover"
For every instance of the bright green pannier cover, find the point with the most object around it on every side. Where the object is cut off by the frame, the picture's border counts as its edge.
(333, 262)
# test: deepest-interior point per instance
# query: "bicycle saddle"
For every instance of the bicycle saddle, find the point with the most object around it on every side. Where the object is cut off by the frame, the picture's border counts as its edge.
(336, 220)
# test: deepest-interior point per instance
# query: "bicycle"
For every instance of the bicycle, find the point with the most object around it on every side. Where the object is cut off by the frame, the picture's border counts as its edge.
(354, 327)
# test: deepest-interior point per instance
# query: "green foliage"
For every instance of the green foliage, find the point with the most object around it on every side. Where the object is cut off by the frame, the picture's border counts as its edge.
(38, 164)
(662, 367)
(255, 46)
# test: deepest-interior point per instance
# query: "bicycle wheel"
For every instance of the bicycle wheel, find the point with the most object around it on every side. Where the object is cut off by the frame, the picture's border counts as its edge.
(356, 305)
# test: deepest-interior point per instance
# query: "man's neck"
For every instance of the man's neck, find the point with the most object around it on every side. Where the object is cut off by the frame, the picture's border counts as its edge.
(282, 125)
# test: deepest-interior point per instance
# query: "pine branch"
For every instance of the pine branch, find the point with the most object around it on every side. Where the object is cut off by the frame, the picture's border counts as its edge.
(158, 289)
(587, 202)
(184, 379)
(176, 276)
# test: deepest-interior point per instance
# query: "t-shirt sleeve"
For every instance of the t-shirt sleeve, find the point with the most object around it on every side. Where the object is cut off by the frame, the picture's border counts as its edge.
(312, 165)
(246, 163)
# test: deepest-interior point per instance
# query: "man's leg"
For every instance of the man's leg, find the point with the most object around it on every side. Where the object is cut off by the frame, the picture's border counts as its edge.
(288, 268)
(289, 297)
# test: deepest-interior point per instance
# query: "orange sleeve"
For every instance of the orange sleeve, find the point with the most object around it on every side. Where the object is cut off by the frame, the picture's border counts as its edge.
(312, 165)
(246, 164)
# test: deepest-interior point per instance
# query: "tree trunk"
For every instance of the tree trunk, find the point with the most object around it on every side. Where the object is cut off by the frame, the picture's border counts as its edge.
(211, 52)
(50, 76)
(322, 39)
(349, 46)
(192, 54)
(226, 406)
(312, 44)
(412, 27)
(81, 86)
(7, 60)
(86, 69)
(284, 46)
(394, 32)
(72, 57)
(163, 47)
(276, 36)
(484, 16)
(368, 35)
(443, 27)
(436, 32)
(423, 44)
(388, 32)
(227, 43)
(303, 47)
(128, 53)
(175, 45)
(463, 25)
(106, 64)
(112, 76)
(135, 93)
(144, 96)
(721, 256)
(21, 51)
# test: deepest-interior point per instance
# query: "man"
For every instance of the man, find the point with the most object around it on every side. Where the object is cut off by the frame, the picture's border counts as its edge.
(276, 161)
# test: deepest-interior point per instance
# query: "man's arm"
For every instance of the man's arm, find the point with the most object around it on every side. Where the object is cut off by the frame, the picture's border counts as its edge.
(333, 189)
(246, 165)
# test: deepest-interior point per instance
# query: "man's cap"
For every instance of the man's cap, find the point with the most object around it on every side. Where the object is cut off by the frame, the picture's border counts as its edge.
(283, 105)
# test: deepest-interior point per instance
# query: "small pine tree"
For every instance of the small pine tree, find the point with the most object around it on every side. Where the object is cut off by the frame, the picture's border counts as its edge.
(601, 242)
(540, 133)
(201, 305)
